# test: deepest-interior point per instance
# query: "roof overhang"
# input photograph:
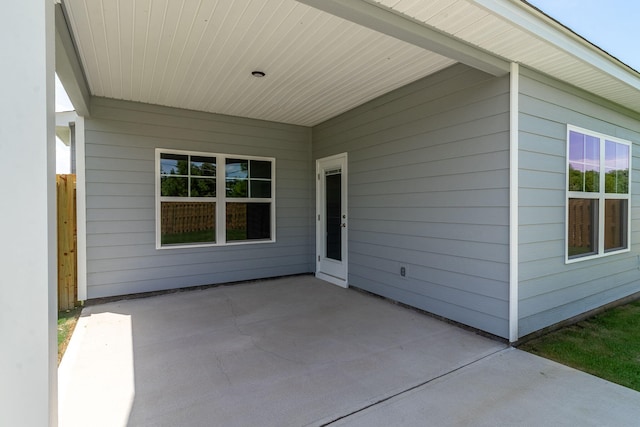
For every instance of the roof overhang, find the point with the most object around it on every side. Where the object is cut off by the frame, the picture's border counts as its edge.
(518, 32)
(321, 57)
(68, 66)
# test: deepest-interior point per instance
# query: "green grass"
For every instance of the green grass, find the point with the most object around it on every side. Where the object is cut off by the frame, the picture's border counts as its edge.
(66, 324)
(606, 345)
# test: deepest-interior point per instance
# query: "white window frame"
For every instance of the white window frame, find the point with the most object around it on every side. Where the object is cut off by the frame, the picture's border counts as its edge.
(220, 200)
(600, 196)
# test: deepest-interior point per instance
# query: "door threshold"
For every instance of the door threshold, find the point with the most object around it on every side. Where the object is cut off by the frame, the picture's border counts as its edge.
(331, 279)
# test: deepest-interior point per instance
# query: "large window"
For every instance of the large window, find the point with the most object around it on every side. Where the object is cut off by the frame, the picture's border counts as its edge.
(598, 171)
(207, 199)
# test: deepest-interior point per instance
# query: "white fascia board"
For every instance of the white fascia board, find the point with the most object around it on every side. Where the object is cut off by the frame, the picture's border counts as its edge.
(403, 28)
(68, 66)
(545, 28)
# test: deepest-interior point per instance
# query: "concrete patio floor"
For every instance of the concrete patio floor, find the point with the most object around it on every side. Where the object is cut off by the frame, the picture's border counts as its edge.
(297, 351)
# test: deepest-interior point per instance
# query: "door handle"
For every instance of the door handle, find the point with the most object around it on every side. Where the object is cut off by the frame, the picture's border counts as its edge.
(343, 225)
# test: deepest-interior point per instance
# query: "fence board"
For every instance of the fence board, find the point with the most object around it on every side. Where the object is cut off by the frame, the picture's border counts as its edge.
(67, 253)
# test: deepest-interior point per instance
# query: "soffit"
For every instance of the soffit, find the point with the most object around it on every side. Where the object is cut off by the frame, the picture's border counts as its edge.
(534, 46)
(199, 54)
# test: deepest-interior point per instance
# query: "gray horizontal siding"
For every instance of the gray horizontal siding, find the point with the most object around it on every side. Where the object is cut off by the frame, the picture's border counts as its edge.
(550, 290)
(428, 190)
(121, 138)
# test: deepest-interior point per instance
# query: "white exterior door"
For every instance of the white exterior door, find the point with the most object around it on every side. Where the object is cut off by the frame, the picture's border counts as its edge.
(331, 219)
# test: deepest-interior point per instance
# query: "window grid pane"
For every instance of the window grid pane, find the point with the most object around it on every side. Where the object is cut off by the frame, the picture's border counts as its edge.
(582, 228)
(174, 164)
(188, 222)
(174, 186)
(203, 166)
(616, 168)
(248, 221)
(584, 163)
(615, 213)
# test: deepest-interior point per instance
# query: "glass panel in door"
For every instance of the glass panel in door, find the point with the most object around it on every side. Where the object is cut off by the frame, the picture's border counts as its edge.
(333, 197)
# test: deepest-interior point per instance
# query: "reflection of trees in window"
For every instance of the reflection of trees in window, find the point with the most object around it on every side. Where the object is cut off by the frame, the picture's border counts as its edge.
(174, 186)
(617, 181)
(588, 181)
(236, 188)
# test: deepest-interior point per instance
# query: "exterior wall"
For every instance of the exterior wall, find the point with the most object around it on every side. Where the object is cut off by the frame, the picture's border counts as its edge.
(121, 138)
(429, 190)
(550, 290)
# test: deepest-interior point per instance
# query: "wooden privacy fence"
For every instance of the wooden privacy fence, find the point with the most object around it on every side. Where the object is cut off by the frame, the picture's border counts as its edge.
(67, 253)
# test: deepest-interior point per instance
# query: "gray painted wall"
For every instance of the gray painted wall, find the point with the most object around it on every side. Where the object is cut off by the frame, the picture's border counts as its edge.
(121, 138)
(429, 190)
(550, 290)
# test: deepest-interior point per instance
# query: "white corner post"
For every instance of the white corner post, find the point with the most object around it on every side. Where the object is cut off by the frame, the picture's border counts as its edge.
(514, 148)
(81, 209)
(28, 283)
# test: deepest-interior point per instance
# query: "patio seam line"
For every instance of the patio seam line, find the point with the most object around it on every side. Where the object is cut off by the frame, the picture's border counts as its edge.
(415, 386)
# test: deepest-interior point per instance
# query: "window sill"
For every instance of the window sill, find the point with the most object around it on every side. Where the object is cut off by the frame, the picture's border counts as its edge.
(595, 256)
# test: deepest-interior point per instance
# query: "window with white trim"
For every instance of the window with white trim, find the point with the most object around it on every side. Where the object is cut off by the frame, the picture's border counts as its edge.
(206, 199)
(598, 194)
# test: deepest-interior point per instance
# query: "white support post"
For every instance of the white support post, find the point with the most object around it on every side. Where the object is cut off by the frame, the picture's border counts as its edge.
(514, 150)
(81, 209)
(28, 280)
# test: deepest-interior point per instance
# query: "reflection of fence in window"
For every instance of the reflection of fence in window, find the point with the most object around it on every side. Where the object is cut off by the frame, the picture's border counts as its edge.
(187, 217)
(581, 226)
(237, 216)
(582, 221)
(614, 219)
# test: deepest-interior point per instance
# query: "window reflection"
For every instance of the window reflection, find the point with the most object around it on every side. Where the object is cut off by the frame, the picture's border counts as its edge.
(615, 236)
(616, 167)
(187, 222)
(584, 163)
(248, 221)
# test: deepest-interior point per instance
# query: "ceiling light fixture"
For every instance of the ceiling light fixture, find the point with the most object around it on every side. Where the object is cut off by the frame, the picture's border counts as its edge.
(258, 74)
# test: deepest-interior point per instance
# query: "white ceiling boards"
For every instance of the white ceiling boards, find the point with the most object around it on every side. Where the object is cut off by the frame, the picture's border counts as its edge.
(199, 55)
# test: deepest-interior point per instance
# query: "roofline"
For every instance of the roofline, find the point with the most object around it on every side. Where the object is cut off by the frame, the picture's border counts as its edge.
(68, 65)
(541, 25)
(577, 36)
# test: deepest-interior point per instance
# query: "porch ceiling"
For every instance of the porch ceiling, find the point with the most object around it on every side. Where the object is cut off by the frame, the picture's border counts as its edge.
(319, 61)
(199, 55)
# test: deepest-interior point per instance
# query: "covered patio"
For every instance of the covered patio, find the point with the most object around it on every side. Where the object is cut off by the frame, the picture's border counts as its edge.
(298, 351)
(449, 122)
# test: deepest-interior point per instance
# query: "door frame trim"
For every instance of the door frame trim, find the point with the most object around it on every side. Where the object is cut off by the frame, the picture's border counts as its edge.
(345, 256)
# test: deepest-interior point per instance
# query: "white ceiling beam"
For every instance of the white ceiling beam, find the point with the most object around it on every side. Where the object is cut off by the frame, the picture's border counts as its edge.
(68, 67)
(403, 28)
